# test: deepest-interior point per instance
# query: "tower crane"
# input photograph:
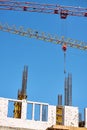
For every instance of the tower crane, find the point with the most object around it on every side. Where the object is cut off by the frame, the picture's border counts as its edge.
(63, 11)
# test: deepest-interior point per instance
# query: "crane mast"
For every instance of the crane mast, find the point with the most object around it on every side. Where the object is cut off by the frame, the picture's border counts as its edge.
(63, 11)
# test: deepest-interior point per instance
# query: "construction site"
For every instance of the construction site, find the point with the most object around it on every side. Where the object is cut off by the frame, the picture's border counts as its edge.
(53, 83)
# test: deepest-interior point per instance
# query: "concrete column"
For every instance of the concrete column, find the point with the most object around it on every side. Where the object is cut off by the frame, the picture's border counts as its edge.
(52, 114)
(41, 112)
(85, 116)
(24, 109)
(3, 108)
(33, 110)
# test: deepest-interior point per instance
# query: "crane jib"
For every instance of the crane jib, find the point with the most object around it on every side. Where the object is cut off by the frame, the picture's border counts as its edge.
(63, 11)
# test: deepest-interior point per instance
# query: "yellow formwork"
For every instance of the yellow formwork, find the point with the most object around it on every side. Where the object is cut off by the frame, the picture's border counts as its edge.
(59, 110)
(59, 115)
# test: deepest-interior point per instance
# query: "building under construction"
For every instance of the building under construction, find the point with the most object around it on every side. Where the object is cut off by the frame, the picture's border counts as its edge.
(29, 115)
(50, 117)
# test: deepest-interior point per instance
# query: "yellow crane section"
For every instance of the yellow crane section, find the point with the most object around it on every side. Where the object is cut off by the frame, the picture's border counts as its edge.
(30, 33)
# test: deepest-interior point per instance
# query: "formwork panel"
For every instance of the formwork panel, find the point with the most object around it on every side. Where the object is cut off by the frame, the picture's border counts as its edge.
(71, 116)
(59, 110)
(59, 115)
(59, 119)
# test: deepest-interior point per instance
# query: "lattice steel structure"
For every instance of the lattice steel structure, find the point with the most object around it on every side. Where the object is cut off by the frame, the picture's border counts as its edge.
(30, 33)
(63, 11)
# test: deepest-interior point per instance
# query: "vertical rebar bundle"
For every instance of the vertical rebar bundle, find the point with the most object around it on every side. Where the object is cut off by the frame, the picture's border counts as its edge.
(68, 90)
(59, 99)
(24, 81)
(21, 94)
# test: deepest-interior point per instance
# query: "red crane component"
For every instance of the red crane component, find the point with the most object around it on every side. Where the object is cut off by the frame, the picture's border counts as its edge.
(63, 14)
(25, 8)
(85, 14)
(64, 47)
(63, 11)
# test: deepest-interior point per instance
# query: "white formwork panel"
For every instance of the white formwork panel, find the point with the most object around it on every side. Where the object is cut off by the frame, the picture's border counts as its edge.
(23, 122)
(3, 107)
(71, 116)
(51, 115)
(85, 114)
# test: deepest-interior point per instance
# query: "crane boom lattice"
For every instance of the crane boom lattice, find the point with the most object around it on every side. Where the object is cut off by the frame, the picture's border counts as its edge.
(64, 11)
(43, 36)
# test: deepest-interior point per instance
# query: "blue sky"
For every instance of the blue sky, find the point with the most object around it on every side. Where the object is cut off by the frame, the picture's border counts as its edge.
(45, 60)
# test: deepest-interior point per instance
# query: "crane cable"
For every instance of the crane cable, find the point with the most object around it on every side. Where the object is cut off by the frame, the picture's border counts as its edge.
(64, 44)
(64, 62)
(64, 47)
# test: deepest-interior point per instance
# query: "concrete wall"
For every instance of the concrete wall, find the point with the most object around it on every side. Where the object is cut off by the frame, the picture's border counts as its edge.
(7, 121)
(71, 116)
(3, 107)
